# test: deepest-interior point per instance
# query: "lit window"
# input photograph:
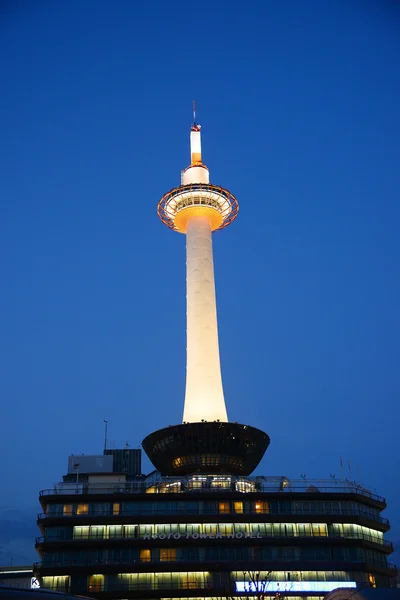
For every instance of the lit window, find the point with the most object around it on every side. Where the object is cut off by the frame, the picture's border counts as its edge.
(261, 507)
(319, 529)
(223, 507)
(167, 554)
(145, 555)
(82, 509)
(67, 509)
(372, 580)
(96, 583)
(238, 507)
(116, 508)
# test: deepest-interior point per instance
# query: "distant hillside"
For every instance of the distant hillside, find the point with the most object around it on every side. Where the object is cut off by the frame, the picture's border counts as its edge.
(18, 531)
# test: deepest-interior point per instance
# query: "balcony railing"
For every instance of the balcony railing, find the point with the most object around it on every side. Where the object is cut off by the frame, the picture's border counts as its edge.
(187, 510)
(239, 564)
(191, 484)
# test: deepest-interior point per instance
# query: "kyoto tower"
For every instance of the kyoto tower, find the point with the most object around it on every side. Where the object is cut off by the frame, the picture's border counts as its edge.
(205, 442)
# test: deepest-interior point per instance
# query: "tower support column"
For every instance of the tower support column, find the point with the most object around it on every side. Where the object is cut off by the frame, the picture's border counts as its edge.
(204, 399)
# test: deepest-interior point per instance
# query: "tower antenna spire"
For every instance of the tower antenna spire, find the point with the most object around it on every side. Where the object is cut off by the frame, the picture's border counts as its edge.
(194, 113)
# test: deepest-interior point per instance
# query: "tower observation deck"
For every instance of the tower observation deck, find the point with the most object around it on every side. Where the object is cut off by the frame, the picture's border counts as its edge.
(205, 442)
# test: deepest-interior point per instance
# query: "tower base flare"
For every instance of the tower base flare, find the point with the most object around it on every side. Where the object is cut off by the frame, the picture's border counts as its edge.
(206, 447)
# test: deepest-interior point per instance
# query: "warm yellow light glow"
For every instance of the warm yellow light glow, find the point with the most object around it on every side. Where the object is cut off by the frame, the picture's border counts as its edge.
(167, 554)
(261, 507)
(238, 507)
(182, 217)
(82, 509)
(67, 509)
(96, 583)
(196, 158)
(145, 555)
(116, 508)
(223, 507)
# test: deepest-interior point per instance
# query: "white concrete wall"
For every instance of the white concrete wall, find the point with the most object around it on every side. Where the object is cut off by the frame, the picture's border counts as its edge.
(204, 392)
(195, 175)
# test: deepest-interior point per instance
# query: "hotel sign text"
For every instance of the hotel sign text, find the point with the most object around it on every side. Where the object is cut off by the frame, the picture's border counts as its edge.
(201, 536)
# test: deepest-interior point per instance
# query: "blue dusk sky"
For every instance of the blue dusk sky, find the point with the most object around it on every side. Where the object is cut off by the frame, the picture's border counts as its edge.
(299, 107)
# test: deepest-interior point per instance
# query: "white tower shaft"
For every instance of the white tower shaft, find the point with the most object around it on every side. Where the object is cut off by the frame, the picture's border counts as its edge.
(204, 399)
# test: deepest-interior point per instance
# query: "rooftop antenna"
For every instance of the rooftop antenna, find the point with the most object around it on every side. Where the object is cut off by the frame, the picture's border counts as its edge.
(194, 113)
(351, 474)
(105, 434)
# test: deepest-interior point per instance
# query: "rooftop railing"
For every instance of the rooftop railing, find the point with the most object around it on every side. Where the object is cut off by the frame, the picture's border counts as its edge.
(214, 483)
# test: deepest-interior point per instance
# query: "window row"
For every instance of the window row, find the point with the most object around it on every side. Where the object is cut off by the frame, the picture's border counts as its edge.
(213, 507)
(212, 553)
(222, 529)
(194, 580)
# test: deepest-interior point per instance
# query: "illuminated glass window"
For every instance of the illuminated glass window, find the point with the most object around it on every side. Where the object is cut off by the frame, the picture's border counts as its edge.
(238, 507)
(210, 528)
(67, 509)
(115, 531)
(97, 531)
(371, 579)
(82, 509)
(96, 583)
(58, 583)
(116, 508)
(81, 533)
(167, 554)
(223, 507)
(319, 529)
(304, 528)
(261, 507)
(130, 530)
(221, 482)
(226, 528)
(146, 529)
(145, 555)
